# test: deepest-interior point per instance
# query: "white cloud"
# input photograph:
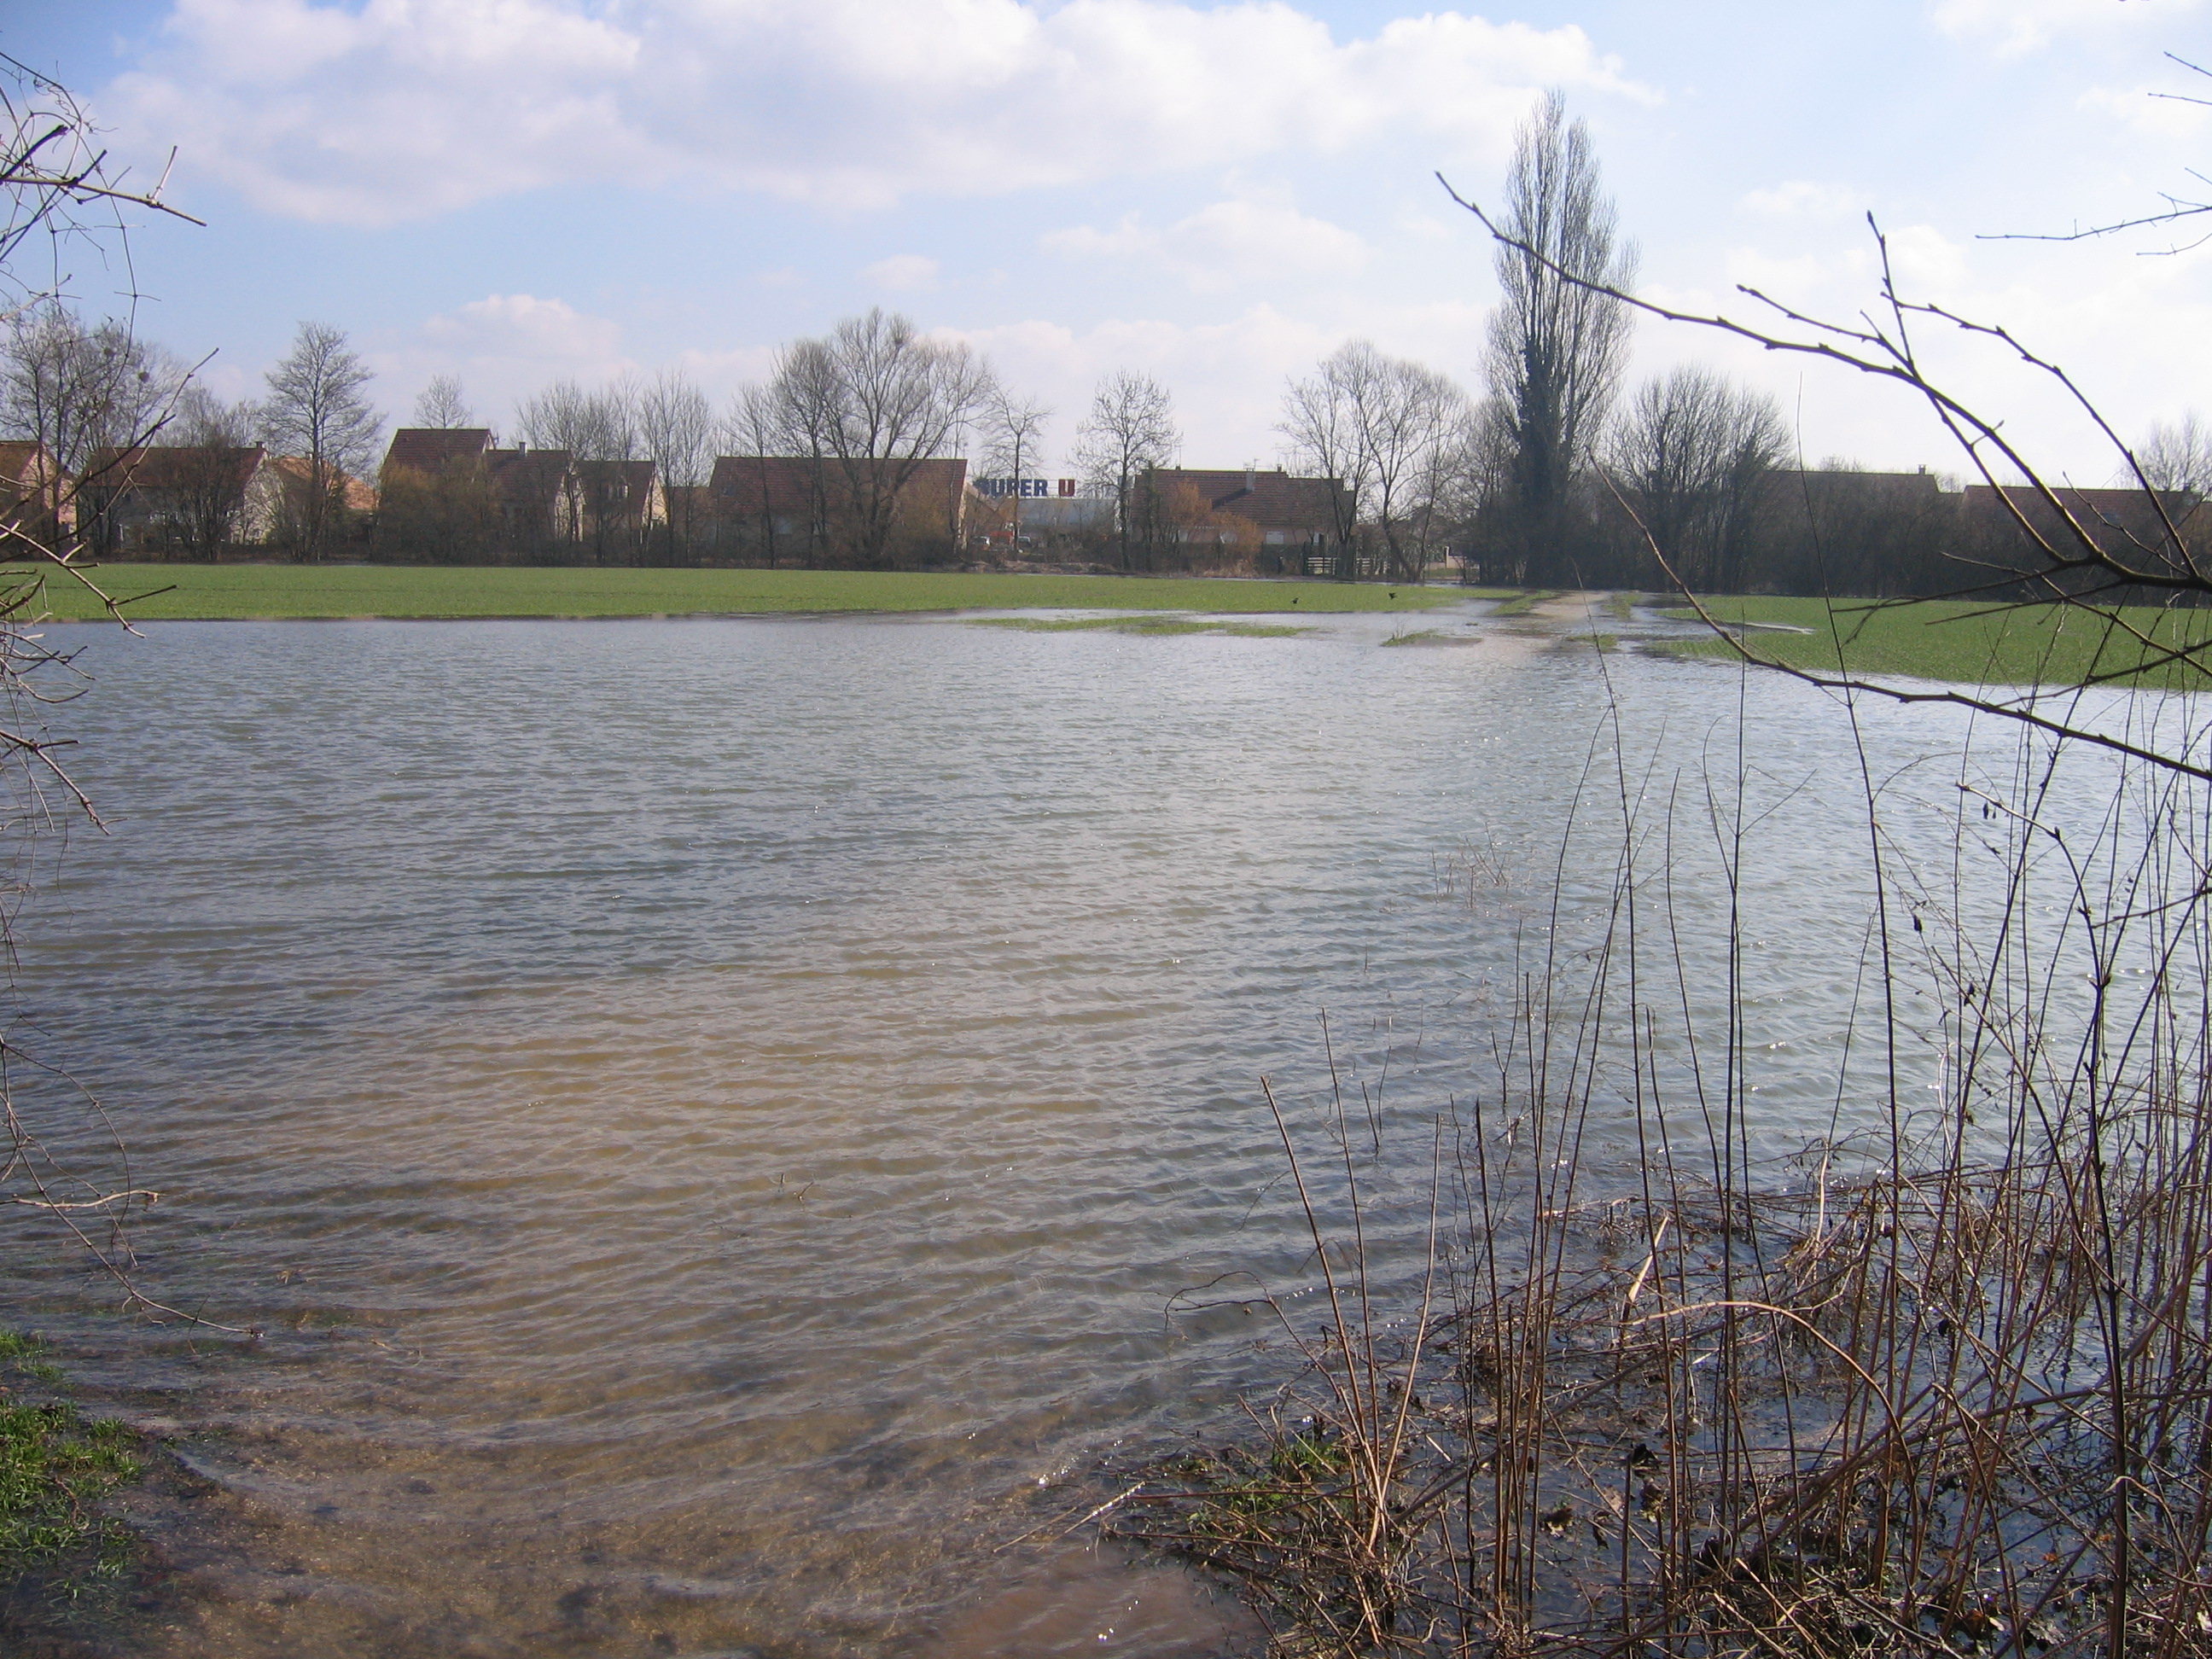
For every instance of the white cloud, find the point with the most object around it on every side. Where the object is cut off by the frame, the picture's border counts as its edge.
(1928, 264)
(2085, 308)
(400, 109)
(1801, 198)
(1223, 243)
(503, 348)
(1227, 376)
(903, 273)
(2143, 110)
(2024, 26)
(522, 325)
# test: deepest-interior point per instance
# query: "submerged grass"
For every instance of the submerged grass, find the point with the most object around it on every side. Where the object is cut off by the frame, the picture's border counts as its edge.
(271, 592)
(1156, 625)
(1945, 640)
(55, 1468)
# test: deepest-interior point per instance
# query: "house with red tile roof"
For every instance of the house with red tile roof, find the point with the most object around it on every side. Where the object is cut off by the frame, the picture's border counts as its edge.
(435, 449)
(451, 492)
(619, 503)
(178, 501)
(1277, 520)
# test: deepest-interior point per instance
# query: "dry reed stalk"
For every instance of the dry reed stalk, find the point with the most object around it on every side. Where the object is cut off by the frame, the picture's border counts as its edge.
(1950, 1391)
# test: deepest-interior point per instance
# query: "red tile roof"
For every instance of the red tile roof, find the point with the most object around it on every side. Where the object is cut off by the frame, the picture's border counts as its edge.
(524, 474)
(432, 449)
(170, 466)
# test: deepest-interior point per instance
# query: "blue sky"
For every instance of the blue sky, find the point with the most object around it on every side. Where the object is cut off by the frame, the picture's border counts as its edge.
(512, 189)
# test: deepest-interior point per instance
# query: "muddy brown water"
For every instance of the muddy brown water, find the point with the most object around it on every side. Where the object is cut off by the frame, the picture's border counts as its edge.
(711, 1118)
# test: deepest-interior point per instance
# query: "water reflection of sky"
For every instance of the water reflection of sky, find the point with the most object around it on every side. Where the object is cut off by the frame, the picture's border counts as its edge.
(742, 1094)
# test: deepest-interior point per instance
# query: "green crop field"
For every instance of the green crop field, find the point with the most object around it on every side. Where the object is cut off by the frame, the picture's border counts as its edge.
(242, 592)
(1976, 643)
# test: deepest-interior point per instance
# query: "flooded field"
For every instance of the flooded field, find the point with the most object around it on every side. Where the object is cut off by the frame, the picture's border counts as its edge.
(712, 1118)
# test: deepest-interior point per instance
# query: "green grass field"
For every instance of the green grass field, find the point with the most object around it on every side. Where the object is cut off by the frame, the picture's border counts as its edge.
(1941, 640)
(242, 592)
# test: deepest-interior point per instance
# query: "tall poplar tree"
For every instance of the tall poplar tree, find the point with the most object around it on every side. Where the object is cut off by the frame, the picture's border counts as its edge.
(1557, 348)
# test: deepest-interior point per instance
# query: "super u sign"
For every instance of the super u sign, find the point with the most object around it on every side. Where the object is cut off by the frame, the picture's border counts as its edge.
(1024, 488)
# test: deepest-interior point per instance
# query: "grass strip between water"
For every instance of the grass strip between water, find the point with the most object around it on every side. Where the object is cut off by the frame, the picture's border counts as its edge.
(1521, 603)
(1976, 643)
(277, 592)
(1171, 624)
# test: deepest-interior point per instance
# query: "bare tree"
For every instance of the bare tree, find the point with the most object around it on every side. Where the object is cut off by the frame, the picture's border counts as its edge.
(1013, 426)
(57, 187)
(55, 190)
(77, 390)
(1690, 452)
(554, 419)
(593, 428)
(91, 395)
(614, 509)
(1474, 475)
(1322, 426)
(210, 472)
(2177, 457)
(316, 411)
(676, 429)
(752, 429)
(800, 411)
(1130, 430)
(1559, 336)
(869, 403)
(1382, 426)
(443, 404)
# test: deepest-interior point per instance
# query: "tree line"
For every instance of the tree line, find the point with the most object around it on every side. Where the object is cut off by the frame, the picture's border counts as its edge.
(1550, 476)
(1551, 472)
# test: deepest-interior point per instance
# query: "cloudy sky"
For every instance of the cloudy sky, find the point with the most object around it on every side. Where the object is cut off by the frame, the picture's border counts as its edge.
(514, 190)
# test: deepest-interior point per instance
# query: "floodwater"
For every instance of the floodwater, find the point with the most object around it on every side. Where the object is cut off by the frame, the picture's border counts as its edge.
(711, 1118)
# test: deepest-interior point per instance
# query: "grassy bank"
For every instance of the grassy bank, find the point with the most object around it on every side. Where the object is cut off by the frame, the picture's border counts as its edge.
(1937, 639)
(242, 592)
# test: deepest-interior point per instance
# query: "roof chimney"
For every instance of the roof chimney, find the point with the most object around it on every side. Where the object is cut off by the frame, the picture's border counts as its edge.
(1251, 476)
